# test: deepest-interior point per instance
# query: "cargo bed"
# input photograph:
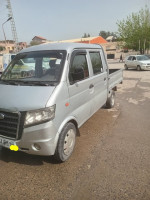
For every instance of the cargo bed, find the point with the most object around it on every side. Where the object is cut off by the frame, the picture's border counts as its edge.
(115, 77)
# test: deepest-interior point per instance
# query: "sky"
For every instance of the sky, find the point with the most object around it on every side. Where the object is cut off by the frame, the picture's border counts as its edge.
(65, 19)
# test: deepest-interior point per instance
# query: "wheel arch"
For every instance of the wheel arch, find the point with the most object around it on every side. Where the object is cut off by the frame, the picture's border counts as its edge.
(71, 119)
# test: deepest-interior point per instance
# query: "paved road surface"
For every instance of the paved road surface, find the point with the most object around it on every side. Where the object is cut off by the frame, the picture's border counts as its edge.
(111, 160)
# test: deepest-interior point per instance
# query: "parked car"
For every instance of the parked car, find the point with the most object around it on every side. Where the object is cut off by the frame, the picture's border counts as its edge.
(139, 62)
(148, 55)
(41, 112)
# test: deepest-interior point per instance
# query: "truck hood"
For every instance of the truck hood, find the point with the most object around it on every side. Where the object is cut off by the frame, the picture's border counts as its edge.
(24, 98)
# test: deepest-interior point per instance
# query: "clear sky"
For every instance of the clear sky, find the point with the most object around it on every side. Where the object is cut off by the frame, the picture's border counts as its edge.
(65, 19)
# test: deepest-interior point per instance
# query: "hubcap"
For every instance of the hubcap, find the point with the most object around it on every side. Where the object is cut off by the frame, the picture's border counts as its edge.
(69, 142)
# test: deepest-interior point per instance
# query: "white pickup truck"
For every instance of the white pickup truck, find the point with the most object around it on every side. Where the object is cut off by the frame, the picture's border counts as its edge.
(48, 91)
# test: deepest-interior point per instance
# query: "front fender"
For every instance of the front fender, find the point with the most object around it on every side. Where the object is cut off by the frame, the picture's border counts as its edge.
(70, 118)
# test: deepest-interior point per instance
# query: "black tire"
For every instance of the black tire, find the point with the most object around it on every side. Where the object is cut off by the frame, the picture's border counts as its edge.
(111, 100)
(138, 68)
(67, 137)
(126, 67)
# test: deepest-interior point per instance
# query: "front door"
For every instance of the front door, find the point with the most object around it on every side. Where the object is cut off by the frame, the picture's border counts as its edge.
(79, 86)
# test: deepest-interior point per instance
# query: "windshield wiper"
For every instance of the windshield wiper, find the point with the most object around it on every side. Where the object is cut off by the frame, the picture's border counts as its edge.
(8, 82)
(42, 83)
(20, 82)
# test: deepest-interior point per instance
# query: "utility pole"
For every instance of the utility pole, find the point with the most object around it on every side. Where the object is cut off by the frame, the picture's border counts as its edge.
(13, 27)
(4, 31)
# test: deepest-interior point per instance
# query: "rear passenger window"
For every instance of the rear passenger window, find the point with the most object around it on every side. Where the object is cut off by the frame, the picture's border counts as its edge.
(134, 58)
(79, 68)
(96, 62)
(130, 58)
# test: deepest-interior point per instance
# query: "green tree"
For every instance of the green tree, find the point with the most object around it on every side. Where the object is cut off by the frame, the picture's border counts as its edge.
(106, 34)
(2, 48)
(86, 35)
(135, 30)
(33, 43)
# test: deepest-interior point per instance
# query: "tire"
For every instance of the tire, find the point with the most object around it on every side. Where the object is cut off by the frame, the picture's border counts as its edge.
(138, 68)
(66, 143)
(111, 100)
(126, 67)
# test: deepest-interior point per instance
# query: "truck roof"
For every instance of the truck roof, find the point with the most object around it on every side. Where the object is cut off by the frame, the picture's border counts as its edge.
(60, 46)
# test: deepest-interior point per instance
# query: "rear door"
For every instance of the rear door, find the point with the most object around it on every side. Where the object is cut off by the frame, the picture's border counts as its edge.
(80, 89)
(99, 79)
(129, 61)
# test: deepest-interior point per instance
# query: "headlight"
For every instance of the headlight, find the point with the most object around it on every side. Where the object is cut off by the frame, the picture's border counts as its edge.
(39, 116)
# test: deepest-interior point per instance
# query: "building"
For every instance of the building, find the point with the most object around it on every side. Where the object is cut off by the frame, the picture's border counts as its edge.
(109, 47)
(39, 40)
(7, 46)
(88, 40)
(22, 45)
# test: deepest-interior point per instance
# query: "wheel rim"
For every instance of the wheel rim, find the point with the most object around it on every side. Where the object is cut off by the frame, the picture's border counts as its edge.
(69, 142)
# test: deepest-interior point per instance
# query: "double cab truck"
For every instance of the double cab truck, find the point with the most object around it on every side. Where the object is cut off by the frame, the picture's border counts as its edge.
(48, 91)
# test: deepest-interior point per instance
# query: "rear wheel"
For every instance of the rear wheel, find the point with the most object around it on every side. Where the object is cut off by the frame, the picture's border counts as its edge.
(111, 100)
(126, 67)
(66, 142)
(138, 68)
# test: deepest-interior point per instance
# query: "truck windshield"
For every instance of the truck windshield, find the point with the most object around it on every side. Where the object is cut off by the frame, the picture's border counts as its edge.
(35, 67)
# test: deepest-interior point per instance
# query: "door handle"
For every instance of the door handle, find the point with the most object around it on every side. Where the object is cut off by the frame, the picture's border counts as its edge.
(105, 79)
(91, 86)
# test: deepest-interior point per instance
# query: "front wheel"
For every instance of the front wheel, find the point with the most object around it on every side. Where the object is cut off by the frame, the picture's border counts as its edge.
(66, 143)
(138, 68)
(111, 100)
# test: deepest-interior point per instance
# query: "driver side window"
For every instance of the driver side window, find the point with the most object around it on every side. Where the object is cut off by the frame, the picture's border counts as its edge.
(78, 69)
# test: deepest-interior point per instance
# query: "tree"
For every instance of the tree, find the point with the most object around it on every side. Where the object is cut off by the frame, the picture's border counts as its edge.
(106, 34)
(2, 48)
(33, 43)
(86, 35)
(135, 30)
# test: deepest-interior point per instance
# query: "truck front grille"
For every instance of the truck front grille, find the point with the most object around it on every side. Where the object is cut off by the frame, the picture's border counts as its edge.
(9, 124)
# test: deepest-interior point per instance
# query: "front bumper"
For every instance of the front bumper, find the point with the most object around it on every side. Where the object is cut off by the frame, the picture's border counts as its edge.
(145, 67)
(42, 136)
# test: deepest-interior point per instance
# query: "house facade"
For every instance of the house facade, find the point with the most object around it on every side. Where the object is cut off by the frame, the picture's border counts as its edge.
(39, 40)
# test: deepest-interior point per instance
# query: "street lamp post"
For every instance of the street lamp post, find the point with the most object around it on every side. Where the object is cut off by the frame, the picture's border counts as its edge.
(3, 29)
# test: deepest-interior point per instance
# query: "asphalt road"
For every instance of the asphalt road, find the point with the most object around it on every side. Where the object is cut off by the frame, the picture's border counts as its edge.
(111, 160)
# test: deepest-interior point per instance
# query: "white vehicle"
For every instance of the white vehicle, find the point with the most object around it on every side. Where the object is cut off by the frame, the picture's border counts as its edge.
(7, 58)
(139, 62)
(42, 106)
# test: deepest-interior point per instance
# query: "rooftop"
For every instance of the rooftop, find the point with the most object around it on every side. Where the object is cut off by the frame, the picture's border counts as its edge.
(39, 37)
(60, 46)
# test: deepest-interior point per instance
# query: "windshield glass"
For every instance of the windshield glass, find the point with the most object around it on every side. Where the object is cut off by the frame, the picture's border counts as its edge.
(40, 66)
(142, 58)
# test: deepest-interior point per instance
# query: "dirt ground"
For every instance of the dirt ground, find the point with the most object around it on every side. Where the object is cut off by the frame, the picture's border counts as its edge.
(110, 162)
